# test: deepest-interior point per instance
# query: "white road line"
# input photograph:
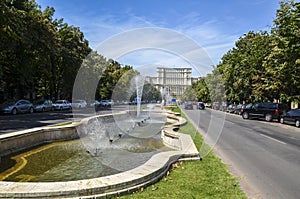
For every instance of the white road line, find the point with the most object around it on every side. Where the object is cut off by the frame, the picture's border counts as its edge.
(272, 138)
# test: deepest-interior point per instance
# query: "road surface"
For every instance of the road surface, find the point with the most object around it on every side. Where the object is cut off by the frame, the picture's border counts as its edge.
(264, 156)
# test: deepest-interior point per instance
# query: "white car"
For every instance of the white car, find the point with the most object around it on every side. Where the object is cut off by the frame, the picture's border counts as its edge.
(79, 104)
(62, 105)
(94, 103)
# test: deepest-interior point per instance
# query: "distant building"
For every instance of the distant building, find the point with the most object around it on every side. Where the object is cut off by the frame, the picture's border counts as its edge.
(173, 81)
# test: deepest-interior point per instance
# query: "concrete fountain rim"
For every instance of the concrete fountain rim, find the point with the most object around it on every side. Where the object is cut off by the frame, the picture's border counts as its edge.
(124, 182)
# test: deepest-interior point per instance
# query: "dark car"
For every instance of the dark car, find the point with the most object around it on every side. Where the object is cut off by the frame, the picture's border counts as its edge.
(21, 106)
(239, 109)
(291, 117)
(265, 110)
(231, 108)
(188, 105)
(201, 105)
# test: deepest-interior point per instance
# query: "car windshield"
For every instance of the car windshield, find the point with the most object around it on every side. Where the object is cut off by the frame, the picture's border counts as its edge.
(249, 106)
(59, 101)
(295, 112)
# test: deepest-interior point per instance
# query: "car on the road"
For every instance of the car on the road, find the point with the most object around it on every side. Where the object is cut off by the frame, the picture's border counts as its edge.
(291, 117)
(188, 105)
(215, 105)
(265, 110)
(201, 105)
(239, 109)
(208, 105)
(47, 105)
(79, 104)
(104, 103)
(21, 106)
(62, 105)
(94, 103)
(231, 108)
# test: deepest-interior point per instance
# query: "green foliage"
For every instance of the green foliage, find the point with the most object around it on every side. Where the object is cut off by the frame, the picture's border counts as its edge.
(39, 56)
(201, 90)
(189, 94)
(263, 66)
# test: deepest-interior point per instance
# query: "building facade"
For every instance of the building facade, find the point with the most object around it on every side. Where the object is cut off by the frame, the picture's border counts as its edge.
(172, 81)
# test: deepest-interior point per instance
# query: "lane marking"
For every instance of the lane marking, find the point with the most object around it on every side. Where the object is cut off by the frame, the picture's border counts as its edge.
(272, 138)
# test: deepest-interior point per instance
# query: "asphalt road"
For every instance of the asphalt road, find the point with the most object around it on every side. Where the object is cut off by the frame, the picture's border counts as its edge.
(265, 156)
(11, 123)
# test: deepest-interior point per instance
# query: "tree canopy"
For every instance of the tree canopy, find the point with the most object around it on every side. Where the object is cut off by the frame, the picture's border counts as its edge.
(40, 56)
(262, 66)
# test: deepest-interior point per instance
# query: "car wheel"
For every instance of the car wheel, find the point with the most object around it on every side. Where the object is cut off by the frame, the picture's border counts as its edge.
(43, 109)
(297, 123)
(14, 111)
(281, 120)
(268, 117)
(61, 108)
(245, 115)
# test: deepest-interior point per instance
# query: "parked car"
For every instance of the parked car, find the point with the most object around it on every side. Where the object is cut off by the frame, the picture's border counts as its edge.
(208, 105)
(94, 103)
(104, 103)
(201, 106)
(223, 106)
(188, 105)
(47, 105)
(239, 109)
(79, 104)
(267, 111)
(231, 108)
(62, 105)
(111, 102)
(216, 105)
(21, 106)
(291, 117)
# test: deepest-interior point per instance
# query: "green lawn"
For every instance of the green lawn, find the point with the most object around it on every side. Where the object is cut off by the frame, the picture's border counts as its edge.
(208, 178)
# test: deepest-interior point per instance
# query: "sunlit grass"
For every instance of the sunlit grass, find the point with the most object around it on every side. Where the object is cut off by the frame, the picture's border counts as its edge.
(208, 178)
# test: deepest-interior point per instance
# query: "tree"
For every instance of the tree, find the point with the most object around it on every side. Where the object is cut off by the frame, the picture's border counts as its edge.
(283, 62)
(215, 86)
(201, 90)
(189, 94)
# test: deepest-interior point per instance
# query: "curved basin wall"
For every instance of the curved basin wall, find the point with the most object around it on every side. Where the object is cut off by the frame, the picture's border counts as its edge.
(150, 172)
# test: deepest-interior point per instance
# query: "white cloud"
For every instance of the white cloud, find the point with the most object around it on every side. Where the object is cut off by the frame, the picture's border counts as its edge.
(206, 33)
(156, 43)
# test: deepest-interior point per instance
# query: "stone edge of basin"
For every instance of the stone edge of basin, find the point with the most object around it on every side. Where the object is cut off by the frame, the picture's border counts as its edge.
(114, 185)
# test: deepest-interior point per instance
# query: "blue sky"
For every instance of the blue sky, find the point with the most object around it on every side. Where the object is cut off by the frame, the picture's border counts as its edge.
(214, 25)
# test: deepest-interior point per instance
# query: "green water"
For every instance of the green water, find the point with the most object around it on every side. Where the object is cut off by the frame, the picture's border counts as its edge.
(70, 161)
(77, 159)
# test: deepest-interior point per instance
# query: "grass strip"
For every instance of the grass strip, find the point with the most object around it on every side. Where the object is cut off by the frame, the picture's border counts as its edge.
(208, 178)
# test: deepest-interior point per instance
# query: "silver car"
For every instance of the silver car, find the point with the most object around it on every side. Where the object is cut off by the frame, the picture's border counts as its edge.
(21, 106)
(79, 104)
(46, 106)
(62, 105)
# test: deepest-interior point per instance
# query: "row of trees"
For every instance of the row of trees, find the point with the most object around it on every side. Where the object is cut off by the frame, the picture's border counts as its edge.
(106, 79)
(262, 66)
(40, 56)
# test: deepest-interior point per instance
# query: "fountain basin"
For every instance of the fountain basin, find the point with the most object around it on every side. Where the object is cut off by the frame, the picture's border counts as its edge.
(117, 184)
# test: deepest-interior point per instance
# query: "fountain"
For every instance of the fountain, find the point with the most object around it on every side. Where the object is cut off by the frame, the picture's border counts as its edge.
(139, 84)
(116, 153)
